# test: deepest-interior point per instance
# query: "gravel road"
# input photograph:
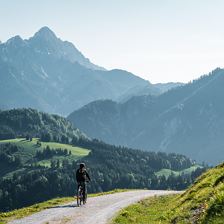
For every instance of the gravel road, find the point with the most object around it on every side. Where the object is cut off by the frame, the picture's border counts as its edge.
(98, 210)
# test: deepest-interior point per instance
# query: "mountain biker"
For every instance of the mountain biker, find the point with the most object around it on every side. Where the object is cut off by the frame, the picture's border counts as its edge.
(82, 177)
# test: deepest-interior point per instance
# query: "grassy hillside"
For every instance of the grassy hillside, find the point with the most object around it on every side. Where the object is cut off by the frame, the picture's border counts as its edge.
(29, 148)
(26, 152)
(169, 172)
(202, 203)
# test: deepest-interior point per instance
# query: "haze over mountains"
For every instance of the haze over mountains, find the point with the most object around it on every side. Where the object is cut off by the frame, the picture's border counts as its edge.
(188, 120)
(52, 75)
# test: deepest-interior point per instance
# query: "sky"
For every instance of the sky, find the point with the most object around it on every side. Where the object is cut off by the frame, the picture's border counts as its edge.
(158, 40)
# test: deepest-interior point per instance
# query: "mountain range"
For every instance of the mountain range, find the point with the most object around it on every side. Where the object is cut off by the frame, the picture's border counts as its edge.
(51, 75)
(188, 119)
(116, 106)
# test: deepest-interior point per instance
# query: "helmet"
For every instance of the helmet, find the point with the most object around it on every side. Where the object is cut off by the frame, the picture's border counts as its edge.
(81, 165)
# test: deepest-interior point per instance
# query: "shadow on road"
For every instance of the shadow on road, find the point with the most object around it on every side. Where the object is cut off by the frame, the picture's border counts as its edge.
(64, 206)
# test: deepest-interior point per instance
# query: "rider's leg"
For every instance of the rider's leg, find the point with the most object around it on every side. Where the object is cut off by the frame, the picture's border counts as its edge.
(77, 190)
(84, 191)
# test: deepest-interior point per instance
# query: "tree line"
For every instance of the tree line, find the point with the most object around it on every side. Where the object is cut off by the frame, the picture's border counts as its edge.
(47, 153)
(109, 166)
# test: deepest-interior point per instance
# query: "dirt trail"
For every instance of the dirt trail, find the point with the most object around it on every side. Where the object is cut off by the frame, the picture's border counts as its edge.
(98, 210)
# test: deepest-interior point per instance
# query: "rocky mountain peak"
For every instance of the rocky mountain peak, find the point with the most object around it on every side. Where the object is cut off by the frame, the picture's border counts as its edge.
(45, 33)
(16, 41)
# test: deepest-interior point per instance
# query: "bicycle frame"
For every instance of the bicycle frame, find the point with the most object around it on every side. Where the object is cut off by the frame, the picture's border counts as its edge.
(80, 196)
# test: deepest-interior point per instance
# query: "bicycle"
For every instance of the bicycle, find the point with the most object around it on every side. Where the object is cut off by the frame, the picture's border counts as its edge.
(81, 199)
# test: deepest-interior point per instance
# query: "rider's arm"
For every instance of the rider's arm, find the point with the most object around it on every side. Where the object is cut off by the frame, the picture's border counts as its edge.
(87, 175)
(77, 173)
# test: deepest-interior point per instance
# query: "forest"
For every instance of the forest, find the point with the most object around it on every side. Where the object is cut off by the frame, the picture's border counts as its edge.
(31, 175)
(109, 166)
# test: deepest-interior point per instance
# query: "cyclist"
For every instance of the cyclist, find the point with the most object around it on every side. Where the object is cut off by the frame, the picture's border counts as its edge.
(82, 177)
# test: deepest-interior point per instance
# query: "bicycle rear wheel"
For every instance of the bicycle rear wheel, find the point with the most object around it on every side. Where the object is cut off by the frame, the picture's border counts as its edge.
(79, 196)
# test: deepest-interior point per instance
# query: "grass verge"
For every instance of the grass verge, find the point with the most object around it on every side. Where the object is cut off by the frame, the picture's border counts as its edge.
(152, 210)
(202, 203)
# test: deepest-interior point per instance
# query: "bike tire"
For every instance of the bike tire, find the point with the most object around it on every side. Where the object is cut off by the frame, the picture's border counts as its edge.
(84, 201)
(79, 196)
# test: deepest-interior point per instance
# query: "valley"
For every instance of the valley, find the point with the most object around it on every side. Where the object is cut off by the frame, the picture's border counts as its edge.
(50, 149)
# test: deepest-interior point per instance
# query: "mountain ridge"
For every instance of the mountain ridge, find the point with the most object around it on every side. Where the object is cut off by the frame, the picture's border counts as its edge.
(52, 75)
(46, 73)
(64, 49)
(187, 119)
(30, 122)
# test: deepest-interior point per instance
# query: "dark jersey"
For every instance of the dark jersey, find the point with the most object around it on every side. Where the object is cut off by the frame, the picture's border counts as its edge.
(82, 175)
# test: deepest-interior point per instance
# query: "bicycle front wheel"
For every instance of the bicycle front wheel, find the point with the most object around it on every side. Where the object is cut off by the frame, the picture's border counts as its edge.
(85, 199)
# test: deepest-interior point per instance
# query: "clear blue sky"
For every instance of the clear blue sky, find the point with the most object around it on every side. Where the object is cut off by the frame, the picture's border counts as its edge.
(159, 40)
